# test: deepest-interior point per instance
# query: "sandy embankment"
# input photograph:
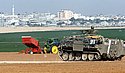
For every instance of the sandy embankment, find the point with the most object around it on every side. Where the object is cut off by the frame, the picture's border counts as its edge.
(30, 29)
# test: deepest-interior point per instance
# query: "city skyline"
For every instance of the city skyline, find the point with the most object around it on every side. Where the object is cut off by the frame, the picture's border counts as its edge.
(85, 7)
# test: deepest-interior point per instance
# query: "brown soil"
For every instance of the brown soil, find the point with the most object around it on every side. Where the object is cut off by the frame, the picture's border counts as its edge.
(67, 67)
(6, 56)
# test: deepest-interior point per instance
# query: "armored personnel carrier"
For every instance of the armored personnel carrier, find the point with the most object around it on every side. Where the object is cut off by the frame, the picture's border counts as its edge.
(91, 47)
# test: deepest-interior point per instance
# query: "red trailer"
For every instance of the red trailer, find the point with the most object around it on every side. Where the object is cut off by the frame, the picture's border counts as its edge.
(33, 45)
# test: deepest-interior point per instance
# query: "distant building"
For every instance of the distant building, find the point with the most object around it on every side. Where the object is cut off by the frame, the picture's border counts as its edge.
(1, 19)
(76, 16)
(12, 19)
(65, 14)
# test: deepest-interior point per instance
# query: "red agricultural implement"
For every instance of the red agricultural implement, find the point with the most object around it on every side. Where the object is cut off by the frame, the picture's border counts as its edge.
(33, 45)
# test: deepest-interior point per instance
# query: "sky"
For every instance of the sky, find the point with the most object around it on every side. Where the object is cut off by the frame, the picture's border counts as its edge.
(85, 7)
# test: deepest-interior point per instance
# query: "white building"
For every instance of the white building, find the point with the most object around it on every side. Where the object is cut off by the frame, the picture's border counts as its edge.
(12, 19)
(1, 19)
(76, 16)
(65, 14)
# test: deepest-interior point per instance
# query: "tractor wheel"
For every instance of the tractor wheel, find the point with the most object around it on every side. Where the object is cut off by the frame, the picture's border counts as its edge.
(45, 50)
(54, 49)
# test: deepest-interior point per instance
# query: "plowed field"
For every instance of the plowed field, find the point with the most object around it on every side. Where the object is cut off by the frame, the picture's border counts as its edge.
(66, 67)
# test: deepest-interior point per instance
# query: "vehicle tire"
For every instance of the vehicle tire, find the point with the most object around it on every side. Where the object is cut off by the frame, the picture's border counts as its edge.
(90, 57)
(97, 57)
(119, 59)
(71, 56)
(78, 56)
(30, 52)
(65, 56)
(55, 50)
(84, 57)
(45, 50)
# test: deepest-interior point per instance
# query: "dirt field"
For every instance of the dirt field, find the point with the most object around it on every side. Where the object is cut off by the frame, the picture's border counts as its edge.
(15, 56)
(66, 67)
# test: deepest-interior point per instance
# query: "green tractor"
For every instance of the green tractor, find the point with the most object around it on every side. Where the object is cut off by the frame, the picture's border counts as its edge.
(51, 46)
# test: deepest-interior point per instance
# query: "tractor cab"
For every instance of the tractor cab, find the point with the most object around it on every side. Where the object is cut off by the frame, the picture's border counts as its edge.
(53, 41)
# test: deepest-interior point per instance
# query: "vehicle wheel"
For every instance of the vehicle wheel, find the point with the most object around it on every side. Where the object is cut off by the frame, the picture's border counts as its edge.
(71, 56)
(30, 52)
(119, 59)
(27, 51)
(90, 57)
(65, 56)
(84, 57)
(54, 49)
(45, 50)
(78, 56)
(97, 57)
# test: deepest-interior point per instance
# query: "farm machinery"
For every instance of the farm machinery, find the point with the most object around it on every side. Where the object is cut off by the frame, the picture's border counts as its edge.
(91, 47)
(33, 45)
(51, 46)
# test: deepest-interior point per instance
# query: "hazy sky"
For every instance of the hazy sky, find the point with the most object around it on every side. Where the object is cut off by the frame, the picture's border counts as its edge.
(86, 7)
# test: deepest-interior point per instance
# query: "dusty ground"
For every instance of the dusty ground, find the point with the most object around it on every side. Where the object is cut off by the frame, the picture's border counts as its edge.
(78, 67)
(15, 56)
(66, 67)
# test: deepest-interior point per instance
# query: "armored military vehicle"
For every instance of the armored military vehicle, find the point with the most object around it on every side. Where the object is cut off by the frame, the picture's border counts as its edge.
(91, 47)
